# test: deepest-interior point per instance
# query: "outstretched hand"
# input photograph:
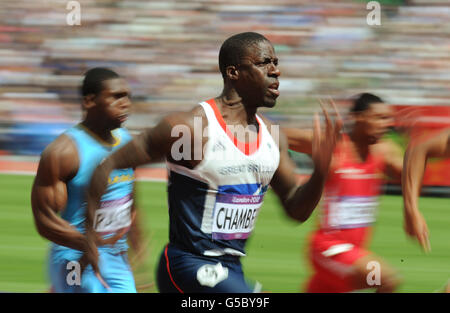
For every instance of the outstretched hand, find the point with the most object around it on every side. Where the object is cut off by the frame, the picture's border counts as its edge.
(90, 257)
(323, 143)
(416, 228)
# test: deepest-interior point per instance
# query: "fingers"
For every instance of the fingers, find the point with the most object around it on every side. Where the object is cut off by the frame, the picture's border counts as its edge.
(339, 122)
(418, 230)
(422, 233)
(327, 116)
(90, 257)
(99, 277)
(427, 245)
(424, 240)
(83, 263)
(317, 130)
(316, 134)
(333, 129)
(336, 111)
(102, 281)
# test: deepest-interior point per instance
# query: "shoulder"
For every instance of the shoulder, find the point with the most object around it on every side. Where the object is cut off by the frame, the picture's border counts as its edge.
(434, 144)
(188, 118)
(389, 154)
(175, 126)
(62, 146)
(386, 148)
(382, 147)
(60, 157)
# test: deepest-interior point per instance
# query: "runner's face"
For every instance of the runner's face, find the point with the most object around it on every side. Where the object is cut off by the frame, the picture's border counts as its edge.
(375, 121)
(114, 101)
(258, 75)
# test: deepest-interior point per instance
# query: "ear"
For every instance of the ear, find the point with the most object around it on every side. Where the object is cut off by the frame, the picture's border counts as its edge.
(88, 101)
(232, 72)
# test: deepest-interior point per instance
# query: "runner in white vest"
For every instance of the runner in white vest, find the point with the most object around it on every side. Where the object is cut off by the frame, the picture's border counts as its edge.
(222, 157)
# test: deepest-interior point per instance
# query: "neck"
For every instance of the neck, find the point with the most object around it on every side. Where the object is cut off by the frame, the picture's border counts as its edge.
(99, 128)
(360, 144)
(235, 109)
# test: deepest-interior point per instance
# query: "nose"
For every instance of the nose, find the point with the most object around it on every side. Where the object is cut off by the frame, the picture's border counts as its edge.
(126, 102)
(274, 71)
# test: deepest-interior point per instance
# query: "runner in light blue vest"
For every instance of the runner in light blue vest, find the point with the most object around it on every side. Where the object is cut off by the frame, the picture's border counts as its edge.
(61, 183)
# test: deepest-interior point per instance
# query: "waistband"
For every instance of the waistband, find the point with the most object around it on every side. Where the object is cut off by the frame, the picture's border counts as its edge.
(222, 258)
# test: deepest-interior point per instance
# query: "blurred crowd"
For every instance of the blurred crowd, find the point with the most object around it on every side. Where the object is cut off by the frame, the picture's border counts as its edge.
(168, 52)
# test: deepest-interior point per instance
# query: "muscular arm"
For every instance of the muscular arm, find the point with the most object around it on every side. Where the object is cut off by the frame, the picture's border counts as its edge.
(151, 146)
(298, 201)
(49, 194)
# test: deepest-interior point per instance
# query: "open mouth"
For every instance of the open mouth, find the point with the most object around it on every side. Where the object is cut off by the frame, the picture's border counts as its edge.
(273, 89)
(123, 118)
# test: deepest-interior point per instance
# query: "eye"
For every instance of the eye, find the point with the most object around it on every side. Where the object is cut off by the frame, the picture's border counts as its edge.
(121, 95)
(267, 61)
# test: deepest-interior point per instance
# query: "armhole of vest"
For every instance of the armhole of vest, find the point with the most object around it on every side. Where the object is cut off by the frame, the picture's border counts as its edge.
(77, 148)
(209, 113)
(268, 137)
(205, 106)
(264, 128)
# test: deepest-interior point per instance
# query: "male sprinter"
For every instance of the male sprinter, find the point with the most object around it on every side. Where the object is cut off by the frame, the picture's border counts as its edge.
(216, 189)
(58, 196)
(338, 247)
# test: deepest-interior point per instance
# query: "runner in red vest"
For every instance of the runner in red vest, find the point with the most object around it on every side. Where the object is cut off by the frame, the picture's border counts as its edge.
(337, 248)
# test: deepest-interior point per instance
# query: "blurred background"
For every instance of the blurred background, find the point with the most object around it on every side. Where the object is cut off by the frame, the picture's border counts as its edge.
(168, 52)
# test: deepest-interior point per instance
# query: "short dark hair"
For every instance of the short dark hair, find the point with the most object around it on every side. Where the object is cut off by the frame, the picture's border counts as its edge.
(92, 82)
(235, 47)
(363, 101)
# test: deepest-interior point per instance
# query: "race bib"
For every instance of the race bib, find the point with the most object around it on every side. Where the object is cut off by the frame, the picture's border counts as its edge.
(113, 215)
(235, 215)
(353, 211)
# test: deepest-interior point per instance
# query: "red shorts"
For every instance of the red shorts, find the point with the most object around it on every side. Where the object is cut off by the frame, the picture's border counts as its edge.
(332, 256)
